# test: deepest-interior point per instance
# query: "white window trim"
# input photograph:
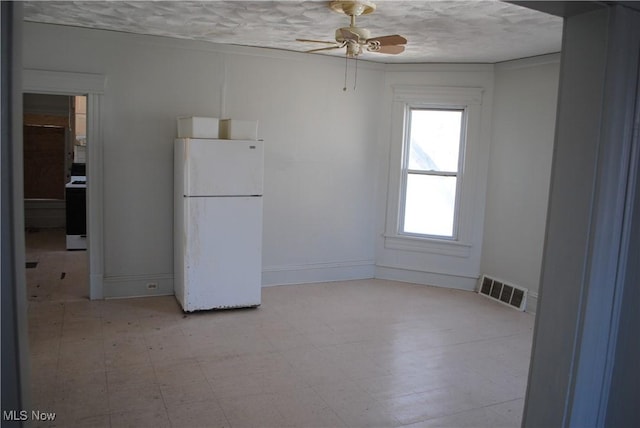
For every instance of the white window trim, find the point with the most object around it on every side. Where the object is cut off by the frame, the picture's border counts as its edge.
(408, 96)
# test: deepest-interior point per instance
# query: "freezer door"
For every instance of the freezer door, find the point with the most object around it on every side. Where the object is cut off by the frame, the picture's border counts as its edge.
(220, 167)
(222, 253)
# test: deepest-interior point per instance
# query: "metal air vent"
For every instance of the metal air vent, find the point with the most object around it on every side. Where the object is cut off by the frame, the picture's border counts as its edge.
(500, 291)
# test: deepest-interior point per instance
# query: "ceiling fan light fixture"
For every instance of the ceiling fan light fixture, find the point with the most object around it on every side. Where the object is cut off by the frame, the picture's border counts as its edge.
(353, 8)
(353, 49)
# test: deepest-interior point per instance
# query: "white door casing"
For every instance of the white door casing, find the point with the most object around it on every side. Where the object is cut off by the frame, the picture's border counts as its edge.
(93, 86)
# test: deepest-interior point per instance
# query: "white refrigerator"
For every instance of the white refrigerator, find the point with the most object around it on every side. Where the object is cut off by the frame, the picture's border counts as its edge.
(218, 223)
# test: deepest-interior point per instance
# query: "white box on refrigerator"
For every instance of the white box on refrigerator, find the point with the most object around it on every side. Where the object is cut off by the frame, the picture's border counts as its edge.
(198, 127)
(234, 129)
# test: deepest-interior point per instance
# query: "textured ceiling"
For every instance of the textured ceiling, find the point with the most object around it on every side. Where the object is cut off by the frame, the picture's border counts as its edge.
(485, 31)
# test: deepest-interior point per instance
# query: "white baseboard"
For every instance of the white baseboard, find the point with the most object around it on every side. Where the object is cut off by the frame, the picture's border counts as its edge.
(445, 280)
(317, 272)
(136, 286)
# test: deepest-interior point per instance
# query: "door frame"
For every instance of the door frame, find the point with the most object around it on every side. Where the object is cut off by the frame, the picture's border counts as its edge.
(92, 86)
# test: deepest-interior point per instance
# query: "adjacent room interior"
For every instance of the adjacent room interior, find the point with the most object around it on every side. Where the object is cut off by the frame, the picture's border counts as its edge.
(55, 197)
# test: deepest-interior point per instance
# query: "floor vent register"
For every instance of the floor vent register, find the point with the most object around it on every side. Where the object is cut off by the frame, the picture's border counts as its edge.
(502, 292)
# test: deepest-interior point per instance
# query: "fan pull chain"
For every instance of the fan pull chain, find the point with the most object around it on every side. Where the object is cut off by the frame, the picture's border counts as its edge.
(355, 78)
(355, 75)
(346, 65)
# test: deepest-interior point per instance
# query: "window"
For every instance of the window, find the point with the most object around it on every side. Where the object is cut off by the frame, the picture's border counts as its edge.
(437, 171)
(431, 164)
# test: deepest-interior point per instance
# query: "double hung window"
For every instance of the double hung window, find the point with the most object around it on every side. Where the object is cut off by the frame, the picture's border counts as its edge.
(437, 171)
(433, 149)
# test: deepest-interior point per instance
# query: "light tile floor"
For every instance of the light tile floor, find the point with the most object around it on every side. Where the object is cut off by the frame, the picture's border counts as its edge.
(60, 275)
(367, 353)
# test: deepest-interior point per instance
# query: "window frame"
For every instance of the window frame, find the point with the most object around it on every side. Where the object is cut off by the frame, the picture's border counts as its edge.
(406, 149)
(470, 167)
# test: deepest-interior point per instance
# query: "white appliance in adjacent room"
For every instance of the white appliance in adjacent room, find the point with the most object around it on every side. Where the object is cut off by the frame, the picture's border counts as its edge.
(76, 208)
(218, 223)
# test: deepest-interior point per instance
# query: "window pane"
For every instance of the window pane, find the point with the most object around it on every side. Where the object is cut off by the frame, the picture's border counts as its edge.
(430, 203)
(435, 140)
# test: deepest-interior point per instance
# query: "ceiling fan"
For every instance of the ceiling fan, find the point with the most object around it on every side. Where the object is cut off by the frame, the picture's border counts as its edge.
(358, 40)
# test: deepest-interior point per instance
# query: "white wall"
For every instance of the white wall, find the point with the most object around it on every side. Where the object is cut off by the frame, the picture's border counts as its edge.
(524, 114)
(426, 266)
(327, 156)
(320, 143)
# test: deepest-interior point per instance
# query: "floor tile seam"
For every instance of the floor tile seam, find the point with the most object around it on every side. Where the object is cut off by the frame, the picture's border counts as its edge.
(76, 419)
(465, 342)
(111, 387)
(504, 402)
(420, 393)
(497, 403)
(517, 334)
(183, 382)
(262, 373)
(343, 343)
(444, 415)
(164, 399)
(474, 397)
(309, 346)
(116, 411)
(280, 356)
(277, 408)
(58, 352)
(502, 415)
(273, 344)
(395, 396)
(109, 392)
(147, 339)
(77, 384)
(219, 402)
(165, 396)
(397, 422)
(487, 407)
(335, 411)
(326, 405)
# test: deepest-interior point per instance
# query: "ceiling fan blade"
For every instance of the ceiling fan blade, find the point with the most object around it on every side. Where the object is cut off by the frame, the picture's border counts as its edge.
(324, 49)
(392, 50)
(316, 41)
(394, 39)
(350, 35)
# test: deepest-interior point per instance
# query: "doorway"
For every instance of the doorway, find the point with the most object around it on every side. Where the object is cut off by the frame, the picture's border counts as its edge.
(54, 148)
(93, 87)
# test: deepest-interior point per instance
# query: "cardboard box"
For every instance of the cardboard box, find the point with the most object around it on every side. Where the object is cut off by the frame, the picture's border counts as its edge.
(198, 127)
(234, 129)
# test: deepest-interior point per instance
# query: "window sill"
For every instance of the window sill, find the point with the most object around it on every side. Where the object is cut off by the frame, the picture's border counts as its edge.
(428, 245)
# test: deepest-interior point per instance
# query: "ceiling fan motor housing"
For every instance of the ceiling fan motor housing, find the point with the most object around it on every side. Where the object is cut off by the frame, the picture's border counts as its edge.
(362, 33)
